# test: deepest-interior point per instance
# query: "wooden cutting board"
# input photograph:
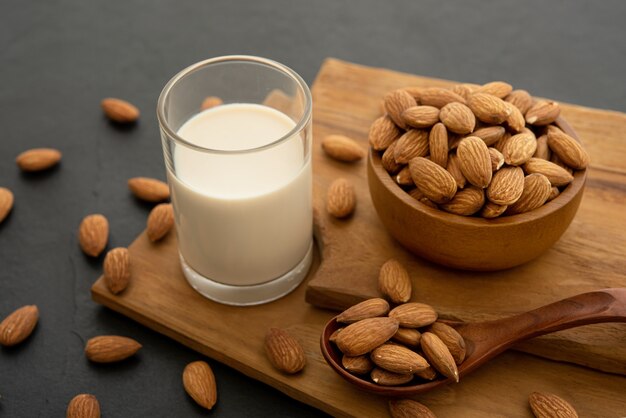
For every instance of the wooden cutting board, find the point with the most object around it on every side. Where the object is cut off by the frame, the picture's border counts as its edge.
(160, 298)
(590, 255)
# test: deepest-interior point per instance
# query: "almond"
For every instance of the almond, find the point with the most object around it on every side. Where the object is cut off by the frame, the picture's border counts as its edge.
(439, 356)
(38, 159)
(436, 183)
(284, 351)
(382, 133)
(334, 335)
(499, 145)
(537, 190)
(507, 186)
(408, 336)
(407, 408)
(499, 89)
(394, 282)
(110, 348)
(458, 118)
(519, 149)
(149, 189)
(160, 221)
(6, 202)
(421, 116)
(451, 338)
(341, 198)
(488, 108)
(358, 364)
(465, 202)
(413, 143)
(199, 383)
(439, 97)
(544, 112)
(542, 151)
(454, 168)
(462, 90)
(342, 148)
(363, 336)
(119, 110)
(210, 102)
(403, 178)
(438, 145)
(474, 161)
(419, 196)
(388, 159)
(428, 373)
(492, 210)
(454, 140)
(386, 378)
(413, 315)
(396, 102)
(515, 120)
(567, 149)
(558, 176)
(93, 234)
(83, 406)
(18, 326)
(490, 134)
(414, 91)
(497, 159)
(548, 405)
(554, 193)
(370, 308)
(556, 160)
(117, 269)
(398, 359)
(520, 99)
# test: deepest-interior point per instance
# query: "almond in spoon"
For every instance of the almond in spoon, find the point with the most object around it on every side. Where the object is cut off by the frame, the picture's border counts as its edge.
(439, 356)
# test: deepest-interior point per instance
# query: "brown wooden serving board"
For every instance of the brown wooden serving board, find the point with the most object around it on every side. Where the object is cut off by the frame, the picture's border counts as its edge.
(160, 298)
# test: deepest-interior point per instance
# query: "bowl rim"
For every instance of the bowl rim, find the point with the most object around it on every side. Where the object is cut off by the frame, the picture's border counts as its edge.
(580, 176)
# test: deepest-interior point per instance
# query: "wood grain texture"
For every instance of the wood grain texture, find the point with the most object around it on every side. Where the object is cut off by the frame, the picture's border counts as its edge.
(589, 256)
(160, 298)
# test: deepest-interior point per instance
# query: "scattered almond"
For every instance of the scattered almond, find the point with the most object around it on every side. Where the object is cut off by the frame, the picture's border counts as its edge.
(160, 221)
(436, 183)
(83, 406)
(6, 202)
(199, 383)
(110, 348)
(93, 234)
(407, 408)
(548, 405)
(149, 189)
(386, 378)
(363, 336)
(394, 282)
(284, 351)
(341, 198)
(211, 102)
(439, 356)
(119, 110)
(413, 315)
(117, 270)
(18, 326)
(370, 308)
(342, 148)
(38, 159)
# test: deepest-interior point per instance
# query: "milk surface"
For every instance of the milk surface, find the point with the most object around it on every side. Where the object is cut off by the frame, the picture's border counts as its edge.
(243, 218)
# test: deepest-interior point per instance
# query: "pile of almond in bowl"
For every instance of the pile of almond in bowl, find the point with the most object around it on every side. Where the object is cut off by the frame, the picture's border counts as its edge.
(485, 150)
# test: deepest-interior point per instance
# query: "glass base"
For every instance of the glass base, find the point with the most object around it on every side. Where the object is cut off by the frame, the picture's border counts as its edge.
(249, 295)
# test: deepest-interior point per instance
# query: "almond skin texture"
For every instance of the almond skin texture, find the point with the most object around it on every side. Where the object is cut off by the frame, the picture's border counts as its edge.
(388, 159)
(537, 190)
(414, 315)
(439, 97)
(386, 378)
(110, 348)
(199, 383)
(395, 103)
(458, 118)
(567, 149)
(520, 99)
(358, 364)
(490, 134)
(407, 408)
(284, 351)
(519, 149)
(438, 145)
(18, 326)
(210, 102)
(454, 168)
(341, 198)
(6, 202)
(558, 176)
(408, 336)
(421, 116)
(83, 406)
(451, 338)
(488, 108)
(436, 183)
(492, 210)
(160, 221)
(507, 186)
(497, 159)
(394, 282)
(439, 356)
(119, 110)
(474, 161)
(382, 133)
(413, 143)
(465, 202)
(548, 405)
(342, 148)
(515, 121)
(542, 151)
(370, 308)
(149, 189)
(363, 336)
(499, 89)
(398, 359)
(38, 159)
(544, 112)
(93, 234)
(117, 270)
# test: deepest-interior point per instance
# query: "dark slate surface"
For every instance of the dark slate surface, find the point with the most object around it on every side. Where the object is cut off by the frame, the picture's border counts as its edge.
(58, 58)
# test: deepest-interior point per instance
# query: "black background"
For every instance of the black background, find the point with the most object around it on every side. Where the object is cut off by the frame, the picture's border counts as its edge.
(59, 58)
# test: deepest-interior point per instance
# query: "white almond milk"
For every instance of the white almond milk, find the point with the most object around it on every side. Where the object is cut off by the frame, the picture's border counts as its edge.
(243, 218)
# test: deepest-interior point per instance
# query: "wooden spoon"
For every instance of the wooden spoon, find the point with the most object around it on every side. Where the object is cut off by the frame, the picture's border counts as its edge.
(485, 340)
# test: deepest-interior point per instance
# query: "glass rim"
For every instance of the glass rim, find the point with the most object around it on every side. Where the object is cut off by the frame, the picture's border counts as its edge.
(300, 125)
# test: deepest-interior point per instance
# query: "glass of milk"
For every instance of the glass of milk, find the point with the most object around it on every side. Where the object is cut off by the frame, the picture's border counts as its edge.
(240, 177)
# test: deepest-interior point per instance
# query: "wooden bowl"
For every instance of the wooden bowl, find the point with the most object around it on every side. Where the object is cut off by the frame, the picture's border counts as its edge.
(472, 243)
